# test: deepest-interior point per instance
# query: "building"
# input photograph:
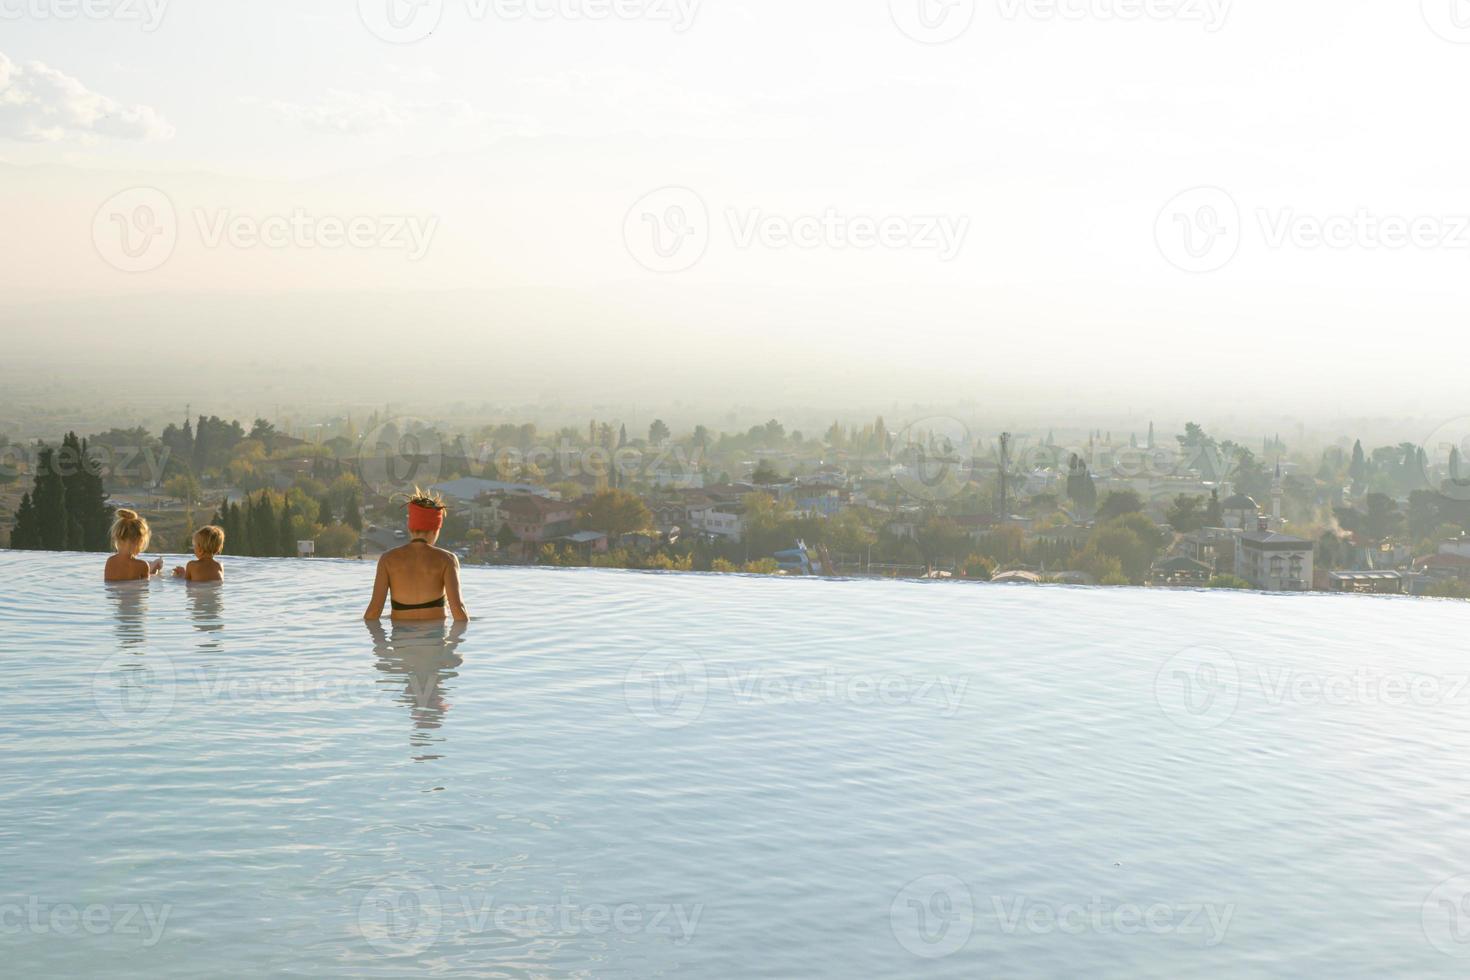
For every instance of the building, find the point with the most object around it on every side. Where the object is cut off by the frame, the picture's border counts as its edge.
(470, 489)
(1182, 570)
(536, 519)
(1240, 512)
(1368, 583)
(718, 520)
(1274, 562)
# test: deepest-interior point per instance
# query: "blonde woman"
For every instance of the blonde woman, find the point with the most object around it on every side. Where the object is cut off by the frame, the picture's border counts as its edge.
(130, 537)
(423, 579)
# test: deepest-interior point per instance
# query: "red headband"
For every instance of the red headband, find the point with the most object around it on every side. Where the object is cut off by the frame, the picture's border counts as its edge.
(421, 518)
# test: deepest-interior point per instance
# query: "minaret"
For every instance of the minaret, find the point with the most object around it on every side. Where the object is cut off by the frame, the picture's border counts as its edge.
(1276, 495)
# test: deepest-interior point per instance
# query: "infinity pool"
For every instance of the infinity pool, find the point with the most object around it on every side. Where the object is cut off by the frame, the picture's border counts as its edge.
(625, 775)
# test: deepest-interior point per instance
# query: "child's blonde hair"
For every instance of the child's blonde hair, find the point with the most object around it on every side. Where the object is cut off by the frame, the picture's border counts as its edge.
(209, 540)
(129, 529)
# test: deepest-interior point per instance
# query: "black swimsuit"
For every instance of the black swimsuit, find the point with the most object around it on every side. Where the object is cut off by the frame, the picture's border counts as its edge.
(410, 607)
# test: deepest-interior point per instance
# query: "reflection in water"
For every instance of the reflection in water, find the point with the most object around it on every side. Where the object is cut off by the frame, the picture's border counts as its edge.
(206, 609)
(130, 603)
(423, 656)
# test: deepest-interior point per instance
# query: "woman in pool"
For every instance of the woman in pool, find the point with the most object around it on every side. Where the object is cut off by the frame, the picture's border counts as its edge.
(424, 579)
(130, 536)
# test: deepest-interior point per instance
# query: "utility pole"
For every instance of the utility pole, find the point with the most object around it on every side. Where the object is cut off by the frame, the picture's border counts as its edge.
(1005, 504)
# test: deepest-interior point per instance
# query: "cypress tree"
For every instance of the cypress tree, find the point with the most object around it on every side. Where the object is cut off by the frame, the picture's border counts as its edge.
(324, 512)
(286, 538)
(88, 514)
(26, 535)
(263, 533)
(352, 514)
(49, 499)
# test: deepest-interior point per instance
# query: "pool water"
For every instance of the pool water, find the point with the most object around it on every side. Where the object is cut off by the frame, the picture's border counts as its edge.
(614, 774)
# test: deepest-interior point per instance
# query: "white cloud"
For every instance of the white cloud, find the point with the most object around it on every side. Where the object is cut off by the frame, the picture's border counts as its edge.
(357, 113)
(41, 104)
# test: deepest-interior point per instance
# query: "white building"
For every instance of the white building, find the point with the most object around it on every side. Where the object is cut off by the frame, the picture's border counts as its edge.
(1274, 562)
(722, 522)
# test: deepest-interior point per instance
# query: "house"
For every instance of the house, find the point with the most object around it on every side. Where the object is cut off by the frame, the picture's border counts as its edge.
(536, 519)
(1445, 567)
(1274, 562)
(1373, 583)
(718, 520)
(1241, 513)
(587, 543)
(1182, 570)
(1214, 546)
(470, 489)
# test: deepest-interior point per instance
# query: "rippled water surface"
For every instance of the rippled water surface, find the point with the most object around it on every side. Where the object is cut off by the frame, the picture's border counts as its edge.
(622, 775)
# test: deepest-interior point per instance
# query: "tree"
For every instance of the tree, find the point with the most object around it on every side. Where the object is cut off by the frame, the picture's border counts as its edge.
(337, 541)
(1118, 503)
(658, 432)
(286, 534)
(1187, 514)
(352, 513)
(1358, 468)
(324, 512)
(1214, 513)
(26, 535)
(49, 499)
(1081, 489)
(184, 488)
(615, 513)
(1379, 522)
(89, 517)
(765, 474)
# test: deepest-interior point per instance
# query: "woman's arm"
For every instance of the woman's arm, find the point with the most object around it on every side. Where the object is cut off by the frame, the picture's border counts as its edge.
(452, 592)
(380, 593)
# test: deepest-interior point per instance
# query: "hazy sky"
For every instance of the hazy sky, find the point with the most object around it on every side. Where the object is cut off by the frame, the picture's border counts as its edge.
(1128, 202)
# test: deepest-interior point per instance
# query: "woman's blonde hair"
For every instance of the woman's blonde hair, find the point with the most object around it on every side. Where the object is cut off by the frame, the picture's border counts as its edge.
(210, 539)
(128, 528)
(431, 499)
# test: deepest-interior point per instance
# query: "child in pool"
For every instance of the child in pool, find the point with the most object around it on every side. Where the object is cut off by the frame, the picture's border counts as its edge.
(130, 535)
(209, 541)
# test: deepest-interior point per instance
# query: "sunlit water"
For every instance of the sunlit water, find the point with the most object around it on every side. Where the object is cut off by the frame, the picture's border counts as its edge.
(625, 775)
